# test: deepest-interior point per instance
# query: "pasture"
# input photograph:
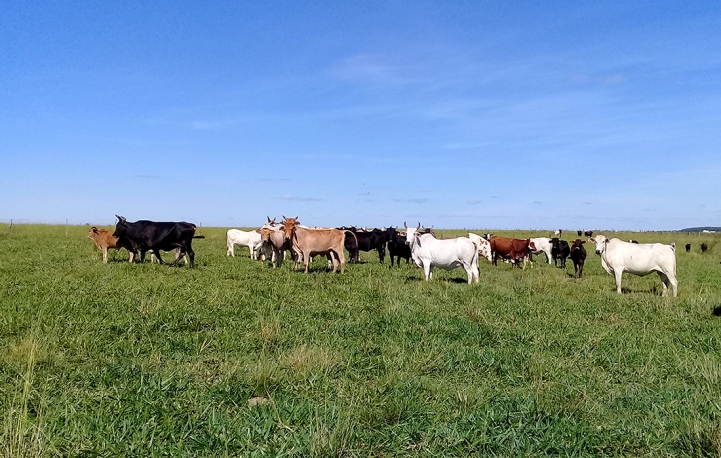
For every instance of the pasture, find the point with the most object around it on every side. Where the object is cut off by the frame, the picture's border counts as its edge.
(234, 358)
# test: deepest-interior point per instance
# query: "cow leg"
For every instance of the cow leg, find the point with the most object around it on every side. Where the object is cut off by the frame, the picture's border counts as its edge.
(668, 280)
(231, 249)
(381, 254)
(617, 275)
(580, 268)
(427, 271)
(105, 254)
(548, 257)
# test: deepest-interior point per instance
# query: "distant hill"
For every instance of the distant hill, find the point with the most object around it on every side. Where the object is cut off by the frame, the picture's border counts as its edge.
(701, 229)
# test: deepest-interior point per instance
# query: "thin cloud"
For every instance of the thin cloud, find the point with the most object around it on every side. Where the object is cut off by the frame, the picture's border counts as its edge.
(413, 201)
(299, 198)
(474, 202)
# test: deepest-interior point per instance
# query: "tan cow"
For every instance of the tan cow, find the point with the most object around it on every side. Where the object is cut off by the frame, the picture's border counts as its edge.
(275, 238)
(104, 239)
(312, 242)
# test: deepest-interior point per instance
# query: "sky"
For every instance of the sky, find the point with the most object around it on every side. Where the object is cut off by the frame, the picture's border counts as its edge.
(455, 114)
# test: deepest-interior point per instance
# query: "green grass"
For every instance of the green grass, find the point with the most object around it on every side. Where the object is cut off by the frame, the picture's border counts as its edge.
(148, 360)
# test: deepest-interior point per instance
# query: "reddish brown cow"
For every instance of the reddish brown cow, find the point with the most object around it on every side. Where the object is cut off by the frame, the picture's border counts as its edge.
(515, 249)
(104, 239)
(311, 242)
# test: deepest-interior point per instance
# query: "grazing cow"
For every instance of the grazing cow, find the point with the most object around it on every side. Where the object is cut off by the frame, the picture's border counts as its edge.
(483, 245)
(588, 233)
(688, 247)
(543, 245)
(559, 250)
(104, 239)
(515, 249)
(312, 242)
(156, 236)
(557, 232)
(578, 256)
(429, 252)
(251, 239)
(618, 257)
(633, 241)
(580, 233)
(704, 247)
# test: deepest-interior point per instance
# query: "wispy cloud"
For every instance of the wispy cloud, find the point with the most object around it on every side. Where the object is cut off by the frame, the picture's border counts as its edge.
(299, 198)
(474, 202)
(413, 201)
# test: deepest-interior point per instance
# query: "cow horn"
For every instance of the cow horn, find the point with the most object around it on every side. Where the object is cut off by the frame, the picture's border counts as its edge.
(284, 217)
(405, 225)
(268, 217)
(419, 224)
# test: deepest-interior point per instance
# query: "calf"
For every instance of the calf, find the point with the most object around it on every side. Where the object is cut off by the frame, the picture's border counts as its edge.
(251, 239)
(483, 245)
(704, 247)
(543, 245)
(429, 252)
(155, 236)
(104, 240)
(560, 250)
(688, 247)
(641, 259)
(578, 256)
(397, 247)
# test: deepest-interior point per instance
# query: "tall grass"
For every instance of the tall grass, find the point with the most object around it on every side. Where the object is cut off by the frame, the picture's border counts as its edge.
(235, 358)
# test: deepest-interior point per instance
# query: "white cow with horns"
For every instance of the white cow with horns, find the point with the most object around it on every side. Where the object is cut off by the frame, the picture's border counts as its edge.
(429, 252)
(618, 257)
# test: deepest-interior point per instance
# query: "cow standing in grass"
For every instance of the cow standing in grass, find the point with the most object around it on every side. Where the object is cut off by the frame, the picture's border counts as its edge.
(155, 236)
(429, 252)
(578, 256)
(104, 240)
(640, 259)
(312, 242)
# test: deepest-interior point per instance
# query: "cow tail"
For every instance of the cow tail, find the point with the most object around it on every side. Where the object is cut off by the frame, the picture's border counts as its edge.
(354, 237)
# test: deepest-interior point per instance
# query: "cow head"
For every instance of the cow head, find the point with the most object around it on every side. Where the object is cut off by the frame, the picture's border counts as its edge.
(264, 233)
(288, 226)
(600, 241)
(577, 245)
(121, 227)
(411, 233)
(94, 232)
(531, 245)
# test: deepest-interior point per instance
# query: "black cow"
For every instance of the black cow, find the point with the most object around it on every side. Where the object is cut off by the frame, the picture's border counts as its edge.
(155, 236)
(559, 250)
(578, 256)
(704, 247)
(375, 239)
(397, 247)
(588, 233)
(688, 247)
(580, 233)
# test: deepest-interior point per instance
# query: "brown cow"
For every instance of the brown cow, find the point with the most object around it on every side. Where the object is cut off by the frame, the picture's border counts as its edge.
(275, 238)
(104, 239)
(515, 249)
(311, 242)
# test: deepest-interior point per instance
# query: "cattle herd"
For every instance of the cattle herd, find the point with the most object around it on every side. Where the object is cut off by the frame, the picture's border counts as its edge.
(274, 239)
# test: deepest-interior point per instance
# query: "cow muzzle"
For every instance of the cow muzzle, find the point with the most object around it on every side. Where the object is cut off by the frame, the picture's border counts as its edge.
(598, 251)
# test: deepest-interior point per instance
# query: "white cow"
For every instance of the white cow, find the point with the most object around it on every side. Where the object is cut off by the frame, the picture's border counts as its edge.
(483, 245)
(543, 245)
(618, 257)
(251, 239)
(429, 252)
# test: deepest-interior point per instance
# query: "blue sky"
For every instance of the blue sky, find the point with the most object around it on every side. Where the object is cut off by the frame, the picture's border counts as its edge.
(476, 114)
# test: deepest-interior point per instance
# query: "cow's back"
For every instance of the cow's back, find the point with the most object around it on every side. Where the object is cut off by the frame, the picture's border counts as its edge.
(641, 258)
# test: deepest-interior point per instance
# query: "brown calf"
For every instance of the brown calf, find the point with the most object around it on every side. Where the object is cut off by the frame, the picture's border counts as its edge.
(104, 239)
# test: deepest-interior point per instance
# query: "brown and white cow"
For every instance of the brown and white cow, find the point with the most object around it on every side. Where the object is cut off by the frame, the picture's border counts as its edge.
(104, 239)
(515, 249)
(312, 242)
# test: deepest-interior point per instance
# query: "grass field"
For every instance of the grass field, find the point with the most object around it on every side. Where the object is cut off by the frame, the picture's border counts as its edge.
(234, 358)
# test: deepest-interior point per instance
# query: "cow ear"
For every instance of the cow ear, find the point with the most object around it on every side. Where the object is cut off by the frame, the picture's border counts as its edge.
(592, 240)
(258, 231)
